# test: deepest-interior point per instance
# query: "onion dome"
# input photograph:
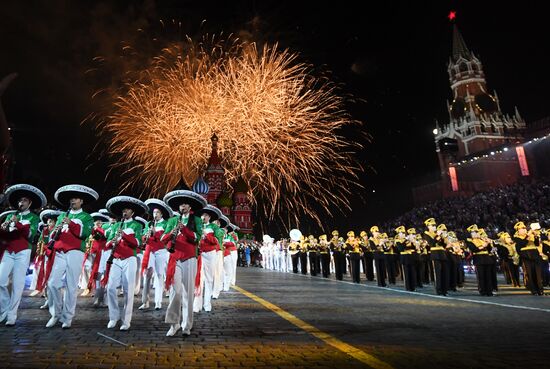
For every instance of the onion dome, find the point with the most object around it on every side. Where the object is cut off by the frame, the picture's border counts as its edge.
(200, 186)
(225, 201)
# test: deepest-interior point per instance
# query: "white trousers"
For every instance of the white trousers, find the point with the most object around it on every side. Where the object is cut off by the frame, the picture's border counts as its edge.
(182, 293)
(218, 275)
(137, 278)
(234, 257)
(35, 272)
(227, 271)
(68, 265)
(15, 264)
(158, 262)
(204, 300)
(123, 273)
(86, 271)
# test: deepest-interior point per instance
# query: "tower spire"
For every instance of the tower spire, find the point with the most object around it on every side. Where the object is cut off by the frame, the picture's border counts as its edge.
(459, 46)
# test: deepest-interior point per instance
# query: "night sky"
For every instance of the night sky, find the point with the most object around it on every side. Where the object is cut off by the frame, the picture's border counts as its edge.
(392, 56)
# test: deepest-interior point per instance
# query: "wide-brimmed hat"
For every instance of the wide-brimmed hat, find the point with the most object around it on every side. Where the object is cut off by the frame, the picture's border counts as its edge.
(213, 211)
(153, 204)
(16, 192)
(64, 194)
(106, 212)
(7, 213)
(175, 198)
(142, 221)
(49, 214)
(224, 221)
(100, 216)
(116, 204)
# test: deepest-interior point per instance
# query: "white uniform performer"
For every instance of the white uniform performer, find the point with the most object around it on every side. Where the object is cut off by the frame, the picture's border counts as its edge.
(100, 292)
(124, 239)
(182, 235)
(69, 236)
(20, 228)
(139, 256)
(155, 257)
(228, 259)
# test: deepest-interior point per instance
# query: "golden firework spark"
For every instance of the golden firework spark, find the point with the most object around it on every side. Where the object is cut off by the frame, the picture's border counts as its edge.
(276, 122)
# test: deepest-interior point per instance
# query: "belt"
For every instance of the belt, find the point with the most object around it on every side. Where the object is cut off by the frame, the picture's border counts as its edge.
(437, 248)
(528, 248)
(481, 253)
(406, 252)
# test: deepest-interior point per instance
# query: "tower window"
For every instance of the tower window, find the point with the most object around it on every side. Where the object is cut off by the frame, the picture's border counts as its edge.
(462, 67)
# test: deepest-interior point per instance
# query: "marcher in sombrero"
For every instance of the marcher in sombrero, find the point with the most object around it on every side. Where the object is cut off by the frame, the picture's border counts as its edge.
(234, 253)
(209, 246)
(155, 257)
(101, 292)
(48, 217)
(95, 246)
(68, 241)
(139, 255)
(124, 240)
(181, 236)
(221, 222)
(229, 262)
(20, 229)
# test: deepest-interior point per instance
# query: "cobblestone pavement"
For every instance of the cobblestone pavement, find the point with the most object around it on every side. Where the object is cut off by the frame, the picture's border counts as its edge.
(400, 329)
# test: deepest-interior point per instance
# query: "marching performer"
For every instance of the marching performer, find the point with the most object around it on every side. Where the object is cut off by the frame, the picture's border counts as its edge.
(48, 217)
(101, 236)
(124, 240)
(436, 245)
(312, 253)
(324, 250)
(221, 222)
(527, 242)
(98, 242)
(482, 261)
(182, 236)
(304, 245)
(69, 243)
(389, 255)
(368, 256)
(294, 249)
(337, 253)
(19, 229)
(209, 246)
(407, 252)
(139, 255)
(353, 247)
(377, 244)
(155, 258)
(229, 262)
(509, 257)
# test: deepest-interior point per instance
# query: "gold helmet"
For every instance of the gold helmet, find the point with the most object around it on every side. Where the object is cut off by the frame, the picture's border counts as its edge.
(430, 221)
(442, 227)
(363, 234)
(411, 231)
(374, 229)
(400, 229)
(323, 237)
(335, 233)
(473, 228)
(351, 234)
(482, 232)
(503, 235)
(519, 225)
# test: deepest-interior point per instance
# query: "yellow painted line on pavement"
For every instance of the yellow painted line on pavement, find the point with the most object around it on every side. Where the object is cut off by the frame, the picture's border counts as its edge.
(327, 338)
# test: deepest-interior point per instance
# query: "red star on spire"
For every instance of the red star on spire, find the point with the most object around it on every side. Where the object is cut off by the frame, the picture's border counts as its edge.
(452, 15)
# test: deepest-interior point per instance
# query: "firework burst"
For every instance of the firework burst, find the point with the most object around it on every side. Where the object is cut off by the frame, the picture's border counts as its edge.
(278, 126)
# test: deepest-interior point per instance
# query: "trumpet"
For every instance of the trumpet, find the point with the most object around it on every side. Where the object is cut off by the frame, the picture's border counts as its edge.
(40, 248)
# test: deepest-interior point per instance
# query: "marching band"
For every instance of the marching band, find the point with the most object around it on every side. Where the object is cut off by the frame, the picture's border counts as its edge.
(189, 250)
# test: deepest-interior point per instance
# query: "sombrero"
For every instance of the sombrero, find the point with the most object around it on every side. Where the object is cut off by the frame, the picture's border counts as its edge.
(64, 194)
(213, 211)
(16, 192)
(175, 198)
(224, 221)
(100, 216)
(153, 204)
(116, 204)
(49, 214)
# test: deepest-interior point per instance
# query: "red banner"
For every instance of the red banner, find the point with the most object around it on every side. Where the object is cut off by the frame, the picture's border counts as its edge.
(522, 161)
(454, 181)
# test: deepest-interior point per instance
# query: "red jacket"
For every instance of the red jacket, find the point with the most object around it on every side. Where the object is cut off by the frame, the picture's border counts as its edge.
(126, 247)
(185, 247)
(18, 239)
(155, 242)
(100, 242)
(228, 247)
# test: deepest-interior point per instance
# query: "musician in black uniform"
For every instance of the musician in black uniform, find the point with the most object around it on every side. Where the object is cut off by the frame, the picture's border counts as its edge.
(324, 255)
(376, 244)
(509, 257)
(368, 256)
(544, 251)
(312, 253)
(438, 256)
(354, 250)
(337, 254)
(304, 245)
(527, 242)
(480, 250)
(294, 251)
(407, 252)
(389, 254)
